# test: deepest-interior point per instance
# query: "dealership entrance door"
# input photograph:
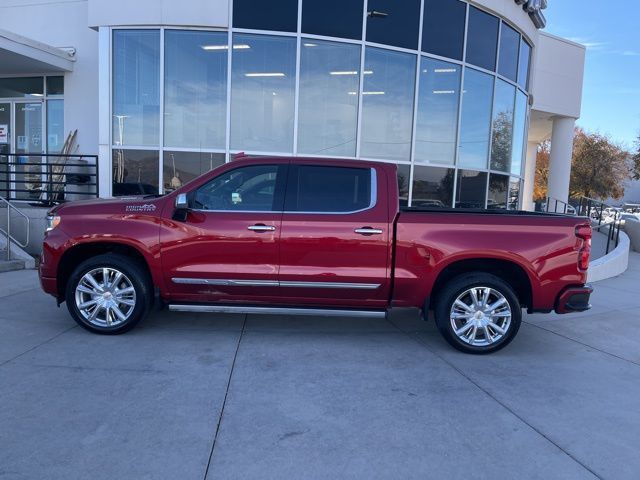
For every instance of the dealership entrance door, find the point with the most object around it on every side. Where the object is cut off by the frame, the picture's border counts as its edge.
(21, 134)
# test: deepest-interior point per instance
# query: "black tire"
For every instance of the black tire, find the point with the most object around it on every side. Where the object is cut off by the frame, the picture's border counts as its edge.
(134, 275)
(463, 284)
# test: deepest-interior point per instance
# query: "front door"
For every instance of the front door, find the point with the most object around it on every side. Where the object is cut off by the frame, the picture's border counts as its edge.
(335, 240)
(5, 148)
(227, 249)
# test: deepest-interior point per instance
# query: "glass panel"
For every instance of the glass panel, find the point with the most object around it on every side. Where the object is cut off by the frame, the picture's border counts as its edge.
(262, 93)
(519, 133)
(509, 45)
(475, 129)
(21, 87)
(55, 86)
(387, 104)
(243, 189)
(328, 189)
(179, 168)
(443, 28)
(498, 189)
(523, 64)
(482, 39)
(195, 89)
(328, 104)
(471, 189)
(514, 194)
(319, 18)
(404, 177)
(279, 15)
(55, 126)
(136, 87)
(437, 123)
(502, 126)
(5, 144)
(28, 140)
(432, 187)
(394, 23)
(135, 172)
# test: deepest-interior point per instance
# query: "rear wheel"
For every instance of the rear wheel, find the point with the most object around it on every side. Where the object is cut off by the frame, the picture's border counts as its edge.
(478, 313)
(108, 294)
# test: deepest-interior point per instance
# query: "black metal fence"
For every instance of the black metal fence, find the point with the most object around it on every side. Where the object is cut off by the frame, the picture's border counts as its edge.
(608, 219)
(48, 178)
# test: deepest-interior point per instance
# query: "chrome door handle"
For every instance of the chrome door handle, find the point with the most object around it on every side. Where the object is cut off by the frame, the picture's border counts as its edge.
(368, 231)
(261, 228)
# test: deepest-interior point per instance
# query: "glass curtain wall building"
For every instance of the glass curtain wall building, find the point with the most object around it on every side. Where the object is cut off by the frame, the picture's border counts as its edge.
(439, 87)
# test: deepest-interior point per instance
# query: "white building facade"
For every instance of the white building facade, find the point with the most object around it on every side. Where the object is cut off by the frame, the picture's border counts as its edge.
(457, 93)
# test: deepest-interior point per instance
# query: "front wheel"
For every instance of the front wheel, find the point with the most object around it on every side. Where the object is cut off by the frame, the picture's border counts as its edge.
(108, 294)
(478, 313)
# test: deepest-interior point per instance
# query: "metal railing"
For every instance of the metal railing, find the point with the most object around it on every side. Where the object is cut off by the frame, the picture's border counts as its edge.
(608, 219)
(7, 233)
(48, 178)
(553, 205)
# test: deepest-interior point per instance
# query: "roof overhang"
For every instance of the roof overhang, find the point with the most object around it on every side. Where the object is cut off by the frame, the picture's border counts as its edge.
(21, 56)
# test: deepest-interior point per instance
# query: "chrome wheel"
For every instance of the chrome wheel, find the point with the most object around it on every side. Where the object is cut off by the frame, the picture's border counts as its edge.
(480, 316)
(105, 297)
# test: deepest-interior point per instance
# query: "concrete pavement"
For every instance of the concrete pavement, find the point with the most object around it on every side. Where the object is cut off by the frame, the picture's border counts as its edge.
(223, 397)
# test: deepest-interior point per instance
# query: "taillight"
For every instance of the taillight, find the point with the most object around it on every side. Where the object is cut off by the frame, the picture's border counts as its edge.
(584, 233)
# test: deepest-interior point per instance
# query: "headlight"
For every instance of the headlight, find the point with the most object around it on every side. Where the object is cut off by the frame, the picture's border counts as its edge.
(52, 222)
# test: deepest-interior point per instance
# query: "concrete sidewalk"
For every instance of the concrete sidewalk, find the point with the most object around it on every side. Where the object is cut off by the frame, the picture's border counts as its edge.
(224, 397)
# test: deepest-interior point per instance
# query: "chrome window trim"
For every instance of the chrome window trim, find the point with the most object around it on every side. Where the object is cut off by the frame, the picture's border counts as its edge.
(274, 283)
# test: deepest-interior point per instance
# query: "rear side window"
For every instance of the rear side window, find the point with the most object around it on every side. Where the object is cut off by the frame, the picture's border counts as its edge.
(320, 189)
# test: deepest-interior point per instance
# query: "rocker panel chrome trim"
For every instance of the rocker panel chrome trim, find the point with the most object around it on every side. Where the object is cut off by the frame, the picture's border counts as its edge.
(269, 283)
(276, 311)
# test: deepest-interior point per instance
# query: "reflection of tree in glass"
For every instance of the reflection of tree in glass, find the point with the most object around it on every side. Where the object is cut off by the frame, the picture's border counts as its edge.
(501, 144)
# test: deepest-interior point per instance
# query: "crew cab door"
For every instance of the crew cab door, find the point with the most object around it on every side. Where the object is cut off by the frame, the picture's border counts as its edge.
(227, 246)
(335, 238)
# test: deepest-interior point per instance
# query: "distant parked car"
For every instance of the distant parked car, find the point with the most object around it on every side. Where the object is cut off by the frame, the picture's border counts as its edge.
(628, 217)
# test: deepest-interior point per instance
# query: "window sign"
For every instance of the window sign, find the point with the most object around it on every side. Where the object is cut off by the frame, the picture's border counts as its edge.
(4, 133)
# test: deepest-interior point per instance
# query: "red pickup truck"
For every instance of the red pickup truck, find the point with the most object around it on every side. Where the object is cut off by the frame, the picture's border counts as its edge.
(312, 236)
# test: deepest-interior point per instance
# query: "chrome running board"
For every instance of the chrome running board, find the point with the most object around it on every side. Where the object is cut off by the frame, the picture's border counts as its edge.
(276, 310)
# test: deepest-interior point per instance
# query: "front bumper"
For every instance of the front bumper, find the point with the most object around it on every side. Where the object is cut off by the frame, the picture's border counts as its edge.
(574, 299)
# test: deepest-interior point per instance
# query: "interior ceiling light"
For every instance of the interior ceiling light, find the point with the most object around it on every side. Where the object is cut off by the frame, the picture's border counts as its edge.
(239, 46)
(310, 44)
(444, 92)
(344, 72)
(446, 70)
(265, 74)
(373, 93)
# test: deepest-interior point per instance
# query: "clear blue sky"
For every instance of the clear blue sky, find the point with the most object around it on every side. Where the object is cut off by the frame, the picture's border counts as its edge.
(611, 31)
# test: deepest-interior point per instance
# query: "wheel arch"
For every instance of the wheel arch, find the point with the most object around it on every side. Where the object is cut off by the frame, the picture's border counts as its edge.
(83, 251)
(509, 271)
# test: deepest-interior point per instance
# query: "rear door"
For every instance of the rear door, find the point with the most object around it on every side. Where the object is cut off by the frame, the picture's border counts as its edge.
(335, 238)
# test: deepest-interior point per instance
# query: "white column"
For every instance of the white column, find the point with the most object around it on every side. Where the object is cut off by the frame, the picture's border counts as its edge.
(560, 159)
(104, 111)
(529, 176)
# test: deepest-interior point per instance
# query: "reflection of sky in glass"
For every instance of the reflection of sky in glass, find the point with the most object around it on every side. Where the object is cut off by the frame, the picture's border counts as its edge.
(262, 93)
(387, 104)
(519, 132)
(502, 126)
(195, 89)
(437, 112)
(523, 64)
(136, 87)
(328, 104)
(509, 45)
(476, 119)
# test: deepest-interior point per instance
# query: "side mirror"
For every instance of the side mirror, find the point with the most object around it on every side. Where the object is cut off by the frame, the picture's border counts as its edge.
(182, 208)
(181, 202)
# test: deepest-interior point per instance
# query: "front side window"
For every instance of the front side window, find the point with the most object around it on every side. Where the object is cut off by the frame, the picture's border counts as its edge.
(262, 93)
(243, 189)
(313, 188)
